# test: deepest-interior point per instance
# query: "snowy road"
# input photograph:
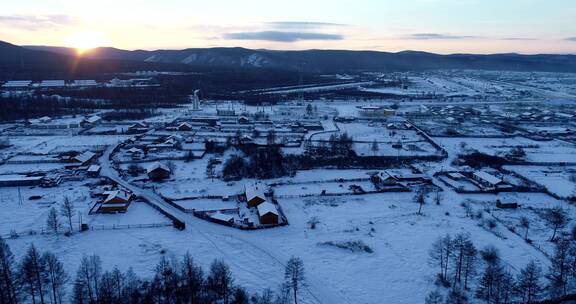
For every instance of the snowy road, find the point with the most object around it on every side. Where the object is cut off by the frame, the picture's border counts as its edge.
(227, 240)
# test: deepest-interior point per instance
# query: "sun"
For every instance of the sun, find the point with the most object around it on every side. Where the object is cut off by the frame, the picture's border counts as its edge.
(85, 41)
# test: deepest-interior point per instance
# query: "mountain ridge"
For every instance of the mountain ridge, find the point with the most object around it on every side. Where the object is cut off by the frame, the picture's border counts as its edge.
(327, 61)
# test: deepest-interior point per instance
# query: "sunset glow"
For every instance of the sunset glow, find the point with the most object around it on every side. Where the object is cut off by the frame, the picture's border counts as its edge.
(84, 41)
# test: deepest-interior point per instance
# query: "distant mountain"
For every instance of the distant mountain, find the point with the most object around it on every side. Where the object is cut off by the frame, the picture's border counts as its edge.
(330, 61)
(16, 61)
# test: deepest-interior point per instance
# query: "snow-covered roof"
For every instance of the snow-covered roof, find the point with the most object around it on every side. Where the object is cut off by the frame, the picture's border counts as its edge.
(84, 157)
(117, 194)
(267, 207)
(93, 168)
(16, 177)
(52, 83)
(222, 216)
(455, 175)
(82, 83)
(93, 119)
(253, 191)
(17, 83)
(134, 150)
(156, 166)
(489, 178)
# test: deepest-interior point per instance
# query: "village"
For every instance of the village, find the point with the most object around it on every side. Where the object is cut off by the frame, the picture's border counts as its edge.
(368, 182)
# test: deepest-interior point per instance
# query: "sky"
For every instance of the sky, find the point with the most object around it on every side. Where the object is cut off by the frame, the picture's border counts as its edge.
(440, 26)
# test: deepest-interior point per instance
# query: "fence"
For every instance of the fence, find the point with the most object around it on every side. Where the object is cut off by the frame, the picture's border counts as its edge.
(128, 226)
(42, 231)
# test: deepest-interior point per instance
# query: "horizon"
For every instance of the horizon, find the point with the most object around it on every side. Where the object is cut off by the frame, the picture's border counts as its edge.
(434, 26)
(288, 50)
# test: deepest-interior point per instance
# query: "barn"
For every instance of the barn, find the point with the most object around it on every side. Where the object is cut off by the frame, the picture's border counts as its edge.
(487, 180)
(158, 171)
(254, 194)
(14, 180)
(268, 213)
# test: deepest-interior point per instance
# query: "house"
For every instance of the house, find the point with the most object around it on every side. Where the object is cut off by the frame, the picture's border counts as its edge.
(501, 205)
(158, 171)
(135, 153)
(93, 171)
(268, 213)
(391, 175)
(243, 120)
(115, 201)
(383, 178)
(139, 127)
(487, 180)
(184, 127)
(254, 194)
(91, 120)
(41, 120)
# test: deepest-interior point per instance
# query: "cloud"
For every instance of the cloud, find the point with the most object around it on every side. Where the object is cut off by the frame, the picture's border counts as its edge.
(278, 36)
(436, 36)
(37, 22)
(302, 25)
(571, 39)
(518, 39)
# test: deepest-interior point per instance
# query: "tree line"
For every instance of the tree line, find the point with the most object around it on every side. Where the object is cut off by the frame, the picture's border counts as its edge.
(467, 270)
(41, 278)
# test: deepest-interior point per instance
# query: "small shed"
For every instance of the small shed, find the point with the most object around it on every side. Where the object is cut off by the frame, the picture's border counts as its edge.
(268, 213)
(93, 171)
(223, 218)
(158, 171)
(254, 194)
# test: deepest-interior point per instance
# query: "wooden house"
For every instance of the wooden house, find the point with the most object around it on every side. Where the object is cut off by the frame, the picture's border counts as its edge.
(268, 213)
(116, 201)
(254, 194)
(158, 171)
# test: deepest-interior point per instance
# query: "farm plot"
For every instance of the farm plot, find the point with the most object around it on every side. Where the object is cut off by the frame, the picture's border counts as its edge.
(558, 180)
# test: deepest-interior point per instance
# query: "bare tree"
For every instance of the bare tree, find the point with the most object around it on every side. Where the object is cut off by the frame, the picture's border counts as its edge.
(294, 276)
(271, 137)
(528, 282)
(192, 278)
(420, 199)
(56, 276)
(440, 254)
(556, 218)
(374, 148)
(8, 276)
(220, 280)
(86, 286)
(559, 268)
(32, 274)
(67, 210)
(525, 223)
(52, 223)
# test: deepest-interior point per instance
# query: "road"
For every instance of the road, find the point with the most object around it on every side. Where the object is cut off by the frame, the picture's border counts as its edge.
(225, 239)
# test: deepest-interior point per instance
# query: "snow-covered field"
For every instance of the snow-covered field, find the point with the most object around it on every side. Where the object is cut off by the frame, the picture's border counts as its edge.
(390, 263)
(556, 179)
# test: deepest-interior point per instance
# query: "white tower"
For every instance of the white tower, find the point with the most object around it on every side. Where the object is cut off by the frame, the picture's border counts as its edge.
(195, 101)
